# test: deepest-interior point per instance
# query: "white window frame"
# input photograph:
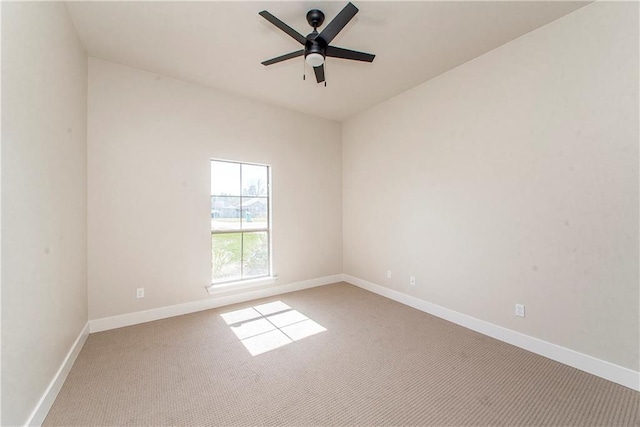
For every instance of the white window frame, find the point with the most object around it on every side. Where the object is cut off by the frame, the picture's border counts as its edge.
(244, 283)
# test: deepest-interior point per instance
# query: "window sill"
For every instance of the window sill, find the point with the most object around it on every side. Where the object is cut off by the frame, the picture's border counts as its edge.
(240, 285)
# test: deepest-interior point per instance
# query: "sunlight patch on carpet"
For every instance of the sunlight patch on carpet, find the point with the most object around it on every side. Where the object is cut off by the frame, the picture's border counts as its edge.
(265, 327)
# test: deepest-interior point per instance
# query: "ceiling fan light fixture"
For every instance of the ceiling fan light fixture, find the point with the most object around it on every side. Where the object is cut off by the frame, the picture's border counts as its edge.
(317, 45)
(314, 59)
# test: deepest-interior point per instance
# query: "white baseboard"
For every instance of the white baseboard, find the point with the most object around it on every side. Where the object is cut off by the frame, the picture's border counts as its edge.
(592, 365)
(46, 401)
(219, 300)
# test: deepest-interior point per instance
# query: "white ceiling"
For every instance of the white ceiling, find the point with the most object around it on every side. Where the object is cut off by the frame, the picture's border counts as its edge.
(221, 44)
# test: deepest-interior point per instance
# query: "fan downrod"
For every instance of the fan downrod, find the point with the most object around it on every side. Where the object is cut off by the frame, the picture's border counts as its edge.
(315, 18)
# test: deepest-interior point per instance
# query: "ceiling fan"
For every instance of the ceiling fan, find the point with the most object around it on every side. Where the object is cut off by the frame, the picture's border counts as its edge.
(316, 45)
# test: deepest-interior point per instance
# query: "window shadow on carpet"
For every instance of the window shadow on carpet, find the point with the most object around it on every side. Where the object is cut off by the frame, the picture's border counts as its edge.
(265, 327)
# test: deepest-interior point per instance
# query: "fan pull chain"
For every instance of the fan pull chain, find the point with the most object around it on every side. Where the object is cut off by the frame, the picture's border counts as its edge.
(304, 69)
(325, 72)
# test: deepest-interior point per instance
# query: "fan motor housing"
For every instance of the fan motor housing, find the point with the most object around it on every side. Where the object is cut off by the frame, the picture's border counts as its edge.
(315, 45)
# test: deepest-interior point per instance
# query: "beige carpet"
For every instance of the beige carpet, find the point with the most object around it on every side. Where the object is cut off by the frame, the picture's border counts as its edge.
(377, 363)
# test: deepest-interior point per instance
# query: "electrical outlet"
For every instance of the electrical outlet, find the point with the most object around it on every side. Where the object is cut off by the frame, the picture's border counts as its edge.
(412, 281)
(388, 274)
(519, 310)
(140, 293)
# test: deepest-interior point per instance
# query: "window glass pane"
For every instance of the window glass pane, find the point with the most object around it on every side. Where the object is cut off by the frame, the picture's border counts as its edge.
(255, 213)
(226, 256)
(256, 254)
(254, 180)
(225, 178)
(225, 213)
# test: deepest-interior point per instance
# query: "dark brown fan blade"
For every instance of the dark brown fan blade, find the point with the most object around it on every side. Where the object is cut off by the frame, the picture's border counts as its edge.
(284, 27)
(319, 73)
(338, 23)
(338, 52)
(283, 57)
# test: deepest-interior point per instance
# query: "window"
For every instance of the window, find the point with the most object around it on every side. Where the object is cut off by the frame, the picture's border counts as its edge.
(240, 231)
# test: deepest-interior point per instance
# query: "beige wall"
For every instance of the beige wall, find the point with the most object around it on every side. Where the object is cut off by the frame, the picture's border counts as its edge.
(512, 178)
(44, 288)
(150, 139)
